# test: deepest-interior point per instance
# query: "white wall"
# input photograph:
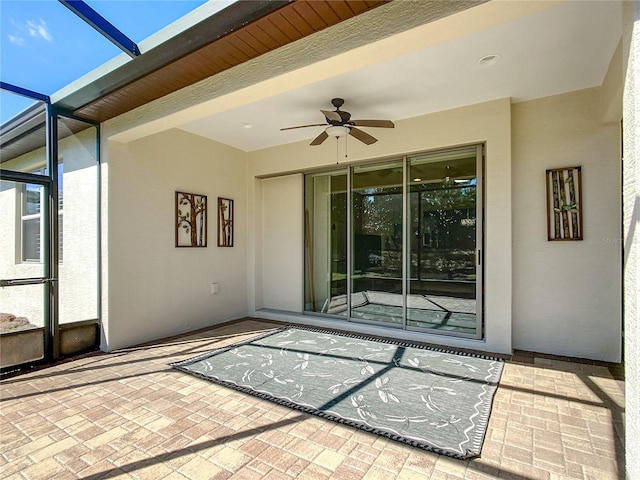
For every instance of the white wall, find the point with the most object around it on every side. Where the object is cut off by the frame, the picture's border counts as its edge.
(487, 122)
(566, 294)
(152, 288)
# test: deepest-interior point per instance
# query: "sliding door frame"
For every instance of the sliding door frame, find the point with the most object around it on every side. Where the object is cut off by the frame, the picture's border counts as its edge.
(406, 231)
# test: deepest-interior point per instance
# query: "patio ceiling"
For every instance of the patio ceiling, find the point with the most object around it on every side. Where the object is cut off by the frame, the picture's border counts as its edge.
(426, 65)
(544, 49)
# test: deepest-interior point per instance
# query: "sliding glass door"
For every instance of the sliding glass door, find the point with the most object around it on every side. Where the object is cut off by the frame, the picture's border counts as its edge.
(398, 243)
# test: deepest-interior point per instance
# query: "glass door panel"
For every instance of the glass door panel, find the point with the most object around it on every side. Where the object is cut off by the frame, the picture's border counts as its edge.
(443, 213)
(326, 243)
(376, 243)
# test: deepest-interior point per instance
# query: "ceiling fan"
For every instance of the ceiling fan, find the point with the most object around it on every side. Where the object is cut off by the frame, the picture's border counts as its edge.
(339, 123)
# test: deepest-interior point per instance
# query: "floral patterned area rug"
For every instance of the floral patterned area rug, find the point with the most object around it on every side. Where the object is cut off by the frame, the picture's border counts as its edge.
(433, 399)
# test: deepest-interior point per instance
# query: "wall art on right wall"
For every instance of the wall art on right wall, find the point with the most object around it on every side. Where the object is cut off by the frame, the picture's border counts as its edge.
(225, 222)
(564, 204)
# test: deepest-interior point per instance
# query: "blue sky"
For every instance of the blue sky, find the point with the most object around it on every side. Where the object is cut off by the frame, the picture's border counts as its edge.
(44, 46)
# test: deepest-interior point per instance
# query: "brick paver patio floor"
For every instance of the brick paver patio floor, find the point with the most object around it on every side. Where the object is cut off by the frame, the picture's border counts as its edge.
(127, 414)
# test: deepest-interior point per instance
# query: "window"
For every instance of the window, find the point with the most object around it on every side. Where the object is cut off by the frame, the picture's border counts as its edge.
(31, 219)
(31, 222)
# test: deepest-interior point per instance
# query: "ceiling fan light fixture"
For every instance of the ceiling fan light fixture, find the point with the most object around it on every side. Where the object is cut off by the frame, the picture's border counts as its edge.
(337, 131)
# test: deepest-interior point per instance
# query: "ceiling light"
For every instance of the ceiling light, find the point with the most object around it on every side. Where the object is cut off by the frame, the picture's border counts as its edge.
(417, 179)
(337, 131)
(246, 125)
(489, 60)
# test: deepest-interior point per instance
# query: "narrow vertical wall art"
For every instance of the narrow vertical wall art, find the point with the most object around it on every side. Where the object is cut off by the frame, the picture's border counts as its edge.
(564, 204)
(225, 222)
(191, 220)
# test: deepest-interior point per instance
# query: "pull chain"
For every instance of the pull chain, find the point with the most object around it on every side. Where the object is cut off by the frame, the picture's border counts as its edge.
(346, 143)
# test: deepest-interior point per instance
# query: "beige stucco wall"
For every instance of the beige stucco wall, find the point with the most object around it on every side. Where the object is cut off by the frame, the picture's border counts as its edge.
(151, 288)
(566, 295)
(488, 123)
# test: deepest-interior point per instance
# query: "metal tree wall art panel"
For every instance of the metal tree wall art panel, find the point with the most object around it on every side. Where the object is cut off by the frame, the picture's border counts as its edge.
(564, 203)
(225, 222)
(191, 220)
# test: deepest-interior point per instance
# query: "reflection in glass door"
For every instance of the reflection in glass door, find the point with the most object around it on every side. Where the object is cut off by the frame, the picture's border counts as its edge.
(443, 283)
(376, 243)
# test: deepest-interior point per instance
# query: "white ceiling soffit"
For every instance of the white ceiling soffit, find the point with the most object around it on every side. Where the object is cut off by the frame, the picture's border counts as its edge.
(560, 49)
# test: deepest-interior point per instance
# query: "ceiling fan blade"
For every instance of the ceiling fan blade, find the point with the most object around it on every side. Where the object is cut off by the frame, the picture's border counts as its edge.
(335, 116)
(362, 136)
(373, 123)
(320, 138)
(305, 126)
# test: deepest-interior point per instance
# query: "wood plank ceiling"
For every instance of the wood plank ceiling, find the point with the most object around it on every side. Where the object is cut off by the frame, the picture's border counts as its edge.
(289, 23)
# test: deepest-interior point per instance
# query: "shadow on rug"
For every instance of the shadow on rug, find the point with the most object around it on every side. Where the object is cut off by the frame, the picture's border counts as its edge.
(429, 398)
